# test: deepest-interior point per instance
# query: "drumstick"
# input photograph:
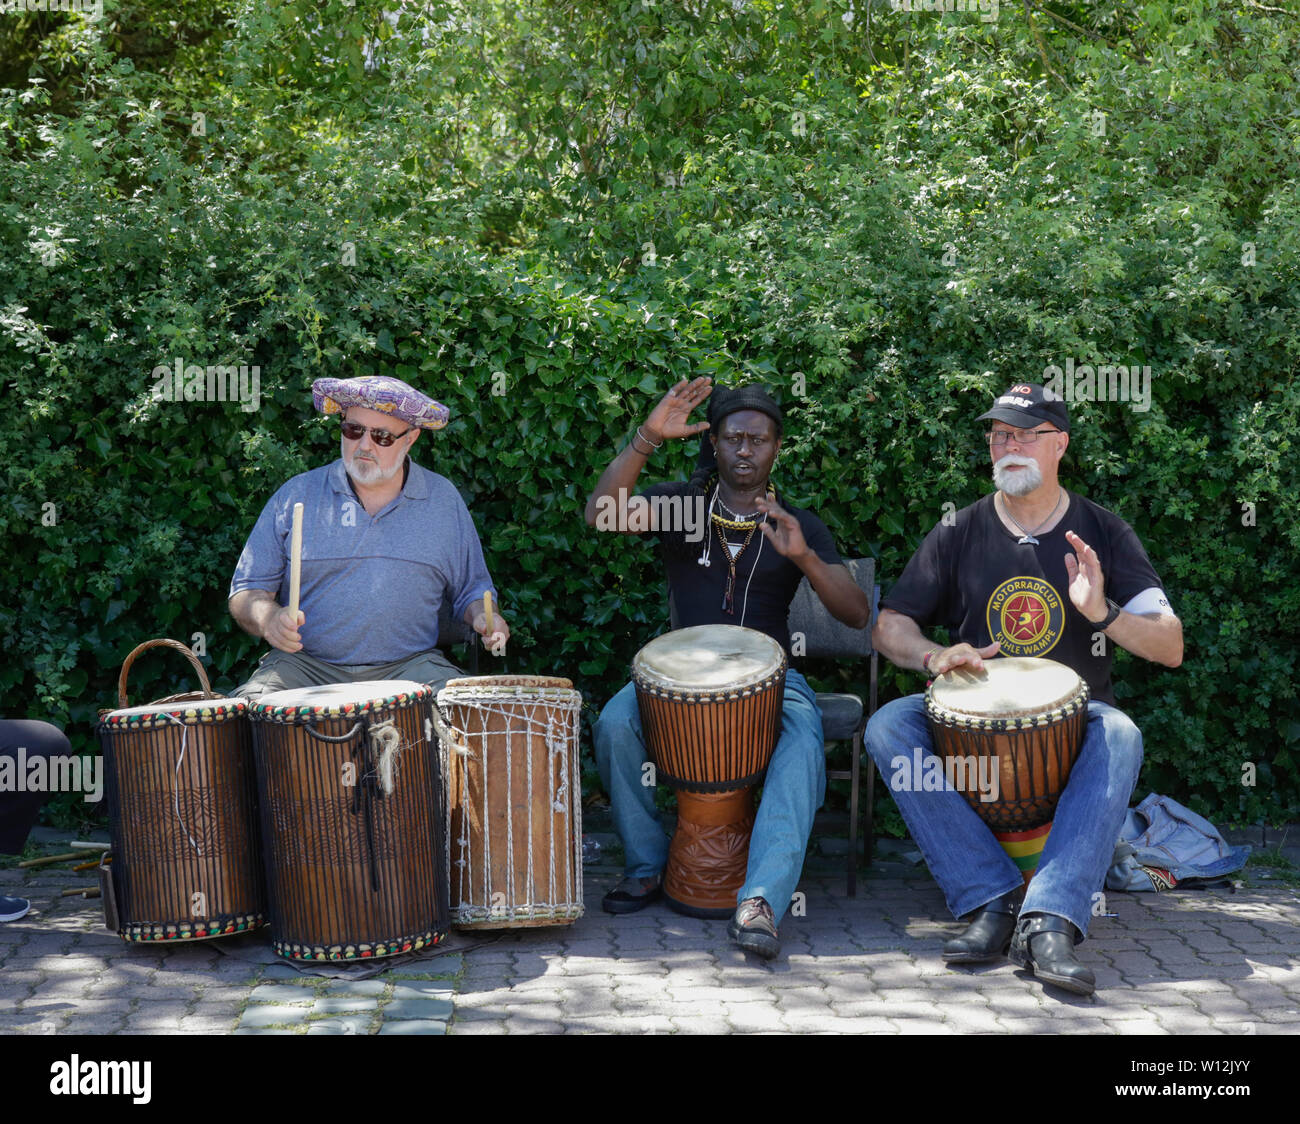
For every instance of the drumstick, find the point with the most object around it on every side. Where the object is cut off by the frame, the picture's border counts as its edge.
(27, 864)
(295, 561)
(487, 612)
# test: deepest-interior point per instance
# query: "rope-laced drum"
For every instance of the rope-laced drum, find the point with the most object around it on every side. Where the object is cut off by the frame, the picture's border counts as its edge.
(510, 756)
(1009, 741)
(710, 699)
(182, 806)
(351, 819)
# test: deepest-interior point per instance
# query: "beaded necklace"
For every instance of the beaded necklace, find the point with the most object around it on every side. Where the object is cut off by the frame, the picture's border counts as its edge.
(747, 523)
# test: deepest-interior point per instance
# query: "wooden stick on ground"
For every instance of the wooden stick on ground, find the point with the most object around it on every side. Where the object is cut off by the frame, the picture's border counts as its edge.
(48, 859)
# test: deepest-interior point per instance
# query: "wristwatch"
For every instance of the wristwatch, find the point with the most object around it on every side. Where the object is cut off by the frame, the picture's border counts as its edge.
(1109, 618)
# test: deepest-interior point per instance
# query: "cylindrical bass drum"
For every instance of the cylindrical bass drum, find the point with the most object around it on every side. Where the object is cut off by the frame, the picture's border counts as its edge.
(182, 806)
(710, 699)
(510, 756)
(352, 819)
(1009, 741)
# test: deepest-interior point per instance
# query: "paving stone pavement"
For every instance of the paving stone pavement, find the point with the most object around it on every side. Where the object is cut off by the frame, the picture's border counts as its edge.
(1178, 963)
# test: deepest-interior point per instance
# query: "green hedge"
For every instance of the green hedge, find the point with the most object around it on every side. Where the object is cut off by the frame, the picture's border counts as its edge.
(943, 218)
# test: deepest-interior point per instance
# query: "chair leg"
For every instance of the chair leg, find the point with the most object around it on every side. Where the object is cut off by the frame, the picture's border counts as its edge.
(853, 816)
(871, 812)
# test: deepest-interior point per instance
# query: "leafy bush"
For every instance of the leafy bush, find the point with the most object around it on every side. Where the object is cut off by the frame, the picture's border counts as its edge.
(545, 220)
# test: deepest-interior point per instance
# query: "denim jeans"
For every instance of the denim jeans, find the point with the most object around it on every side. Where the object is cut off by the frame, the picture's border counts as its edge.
(792, 792)
(969, 863)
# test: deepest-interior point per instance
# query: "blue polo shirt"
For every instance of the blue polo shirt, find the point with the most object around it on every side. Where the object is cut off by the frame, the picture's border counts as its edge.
(371, 586)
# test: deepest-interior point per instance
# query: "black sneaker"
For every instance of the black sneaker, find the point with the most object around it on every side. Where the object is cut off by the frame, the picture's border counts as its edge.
(13, 908)
(633, 894)
(753, 927)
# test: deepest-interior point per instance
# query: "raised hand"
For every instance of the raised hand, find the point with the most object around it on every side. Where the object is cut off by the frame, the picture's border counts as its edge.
(782, 529)
(1087, 584)
(669, 419)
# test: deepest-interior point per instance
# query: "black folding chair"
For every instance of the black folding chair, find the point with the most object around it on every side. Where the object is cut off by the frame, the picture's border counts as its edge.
(814, 633)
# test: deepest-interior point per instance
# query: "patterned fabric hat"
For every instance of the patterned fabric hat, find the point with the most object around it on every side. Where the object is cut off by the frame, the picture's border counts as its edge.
(379, 392)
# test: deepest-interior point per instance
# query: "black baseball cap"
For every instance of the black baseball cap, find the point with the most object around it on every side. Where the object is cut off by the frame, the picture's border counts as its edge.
(1028, 404)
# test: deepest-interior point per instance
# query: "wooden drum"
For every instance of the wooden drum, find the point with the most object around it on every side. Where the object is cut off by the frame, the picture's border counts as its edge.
(1009, 741)
(352, 819)
(182, 807)
(710, 699)
(514, 781)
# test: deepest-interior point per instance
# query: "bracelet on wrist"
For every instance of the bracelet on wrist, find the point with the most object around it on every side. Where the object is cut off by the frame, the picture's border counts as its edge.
(647, 440)
(925, 659)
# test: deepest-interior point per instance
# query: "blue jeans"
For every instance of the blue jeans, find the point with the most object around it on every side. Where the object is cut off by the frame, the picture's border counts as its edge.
(792, 793)
(969, 864)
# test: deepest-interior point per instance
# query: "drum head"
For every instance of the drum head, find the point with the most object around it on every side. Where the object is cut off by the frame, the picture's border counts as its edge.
(155, 714)
(708, 657)
(492, 682)
(1016, 686)
(341, 698)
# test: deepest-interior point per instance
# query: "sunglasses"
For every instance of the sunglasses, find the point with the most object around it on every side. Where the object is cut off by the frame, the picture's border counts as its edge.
(354, 431)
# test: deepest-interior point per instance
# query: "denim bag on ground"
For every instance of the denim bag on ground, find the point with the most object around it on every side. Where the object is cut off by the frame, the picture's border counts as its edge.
(1163, 845)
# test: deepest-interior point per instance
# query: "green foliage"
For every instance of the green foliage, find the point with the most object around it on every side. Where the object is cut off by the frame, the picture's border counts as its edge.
(887, 218)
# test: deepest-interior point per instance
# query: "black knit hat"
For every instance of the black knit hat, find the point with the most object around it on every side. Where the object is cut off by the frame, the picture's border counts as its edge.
(723, 402)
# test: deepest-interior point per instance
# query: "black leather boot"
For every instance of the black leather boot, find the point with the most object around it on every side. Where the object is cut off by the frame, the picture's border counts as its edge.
(1044, 944)
(988, 934)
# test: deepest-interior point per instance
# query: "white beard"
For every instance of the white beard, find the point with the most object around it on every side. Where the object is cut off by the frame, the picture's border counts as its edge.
(367, 473)
(1017, 483)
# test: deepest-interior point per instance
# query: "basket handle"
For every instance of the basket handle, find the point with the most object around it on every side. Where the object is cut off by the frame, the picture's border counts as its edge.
(126, 666)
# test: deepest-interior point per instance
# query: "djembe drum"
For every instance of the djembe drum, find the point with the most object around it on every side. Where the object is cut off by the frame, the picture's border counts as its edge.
(710, 699)
(1023, 724)
(182, 808)
(352, 821)
(514, 782)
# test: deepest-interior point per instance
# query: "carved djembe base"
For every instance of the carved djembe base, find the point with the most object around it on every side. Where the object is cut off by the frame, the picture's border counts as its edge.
(707, 857)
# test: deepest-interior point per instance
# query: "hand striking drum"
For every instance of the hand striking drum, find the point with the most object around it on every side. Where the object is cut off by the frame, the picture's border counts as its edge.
(1027, 718)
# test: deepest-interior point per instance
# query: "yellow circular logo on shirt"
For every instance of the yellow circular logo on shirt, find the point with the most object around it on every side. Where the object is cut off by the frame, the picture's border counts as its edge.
(1026, 617)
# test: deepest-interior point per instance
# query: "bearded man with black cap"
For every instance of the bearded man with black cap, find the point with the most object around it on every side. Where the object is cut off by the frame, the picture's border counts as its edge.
(384, 542)
(721, 572)
(1082, 583)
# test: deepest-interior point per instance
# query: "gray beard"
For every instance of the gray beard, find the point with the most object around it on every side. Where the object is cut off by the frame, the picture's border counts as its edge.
(367, 473)
(1017, 483)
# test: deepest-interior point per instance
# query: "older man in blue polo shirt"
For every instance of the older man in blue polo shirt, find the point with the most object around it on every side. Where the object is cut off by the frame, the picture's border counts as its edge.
(384, 542)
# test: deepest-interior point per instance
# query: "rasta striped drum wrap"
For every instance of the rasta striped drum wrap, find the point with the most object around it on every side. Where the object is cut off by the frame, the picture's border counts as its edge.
(182, 805)
(514, 781)
(352, 819)
(710, 700)
(1009, 741)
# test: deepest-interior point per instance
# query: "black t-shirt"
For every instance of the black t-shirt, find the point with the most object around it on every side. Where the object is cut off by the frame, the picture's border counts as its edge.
(975, 579)
(765, 581)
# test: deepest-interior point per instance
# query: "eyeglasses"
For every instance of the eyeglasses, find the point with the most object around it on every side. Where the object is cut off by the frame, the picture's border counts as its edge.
(999, 437)
(354, 431)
